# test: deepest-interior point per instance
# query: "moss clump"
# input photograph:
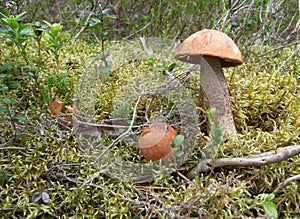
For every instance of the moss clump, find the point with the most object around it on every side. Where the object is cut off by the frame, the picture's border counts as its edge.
(265, 98)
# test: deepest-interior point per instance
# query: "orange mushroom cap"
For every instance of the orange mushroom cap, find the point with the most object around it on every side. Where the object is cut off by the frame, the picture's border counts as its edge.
(209, 43)
(155, 141)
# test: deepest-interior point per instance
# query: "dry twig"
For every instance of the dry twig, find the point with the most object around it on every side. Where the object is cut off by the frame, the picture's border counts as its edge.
(279, 48)
(11, 148)
(256, 160)
(286, 182)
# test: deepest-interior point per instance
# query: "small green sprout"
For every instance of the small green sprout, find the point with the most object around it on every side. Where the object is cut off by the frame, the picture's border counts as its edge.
(176, 143)
(15, 32)
(270, 207)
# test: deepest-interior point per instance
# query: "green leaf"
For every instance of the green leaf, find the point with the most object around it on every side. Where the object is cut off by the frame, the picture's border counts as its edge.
(172, 66)
(210, 114)
(12, 23)
(56, 28)
(6, 77)
(109, 64)
(159, 69)
(72, 23)
(25, 32)
(3, 88)
(19, 117)
(109, 17)
(3, 109)
(4, 31)
(179, 153)
(3, 13)
(19, 16)
(50, 37)
(105, 11)
(106, 53)
(26, 26)
(271, 209)
(14, 84)
(270, 197)
(21, 136)
(9, 101)
(13, 40)
(4, 68)
(134, 123)
(217, 136)
(121, 130)
(177, 141)
(63, 36)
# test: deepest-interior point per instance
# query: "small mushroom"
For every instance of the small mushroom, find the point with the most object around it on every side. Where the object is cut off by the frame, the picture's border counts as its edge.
(155, 141)
(212, 50)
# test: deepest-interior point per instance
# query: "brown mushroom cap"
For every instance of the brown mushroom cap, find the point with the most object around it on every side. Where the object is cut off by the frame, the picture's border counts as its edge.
(209, 43)
(155, 141)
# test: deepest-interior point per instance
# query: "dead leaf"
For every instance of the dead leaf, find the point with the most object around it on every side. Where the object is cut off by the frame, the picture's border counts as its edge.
(72, 109)
(55, 107)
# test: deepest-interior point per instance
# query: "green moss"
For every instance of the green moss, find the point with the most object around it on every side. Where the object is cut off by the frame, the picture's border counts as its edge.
(265, 100)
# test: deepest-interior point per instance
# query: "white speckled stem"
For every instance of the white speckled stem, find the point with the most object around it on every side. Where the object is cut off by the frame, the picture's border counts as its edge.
(215, 94)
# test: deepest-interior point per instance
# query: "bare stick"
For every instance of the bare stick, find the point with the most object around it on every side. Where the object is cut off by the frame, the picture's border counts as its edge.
(285, 182)
(284, 63)
(256, 160)
(11, 148)
(279, 48)
(143, 28)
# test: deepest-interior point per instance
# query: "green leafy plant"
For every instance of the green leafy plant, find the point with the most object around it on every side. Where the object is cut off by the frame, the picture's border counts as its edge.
(270, 207)
(33, 74)
(38, 30)
(216, 134)
(165, 67)
(55, 40)
(7, 83)
(98, 25)
(17, 33)
(55, 85)
(77, 22)
(210, 114)
(177, 141)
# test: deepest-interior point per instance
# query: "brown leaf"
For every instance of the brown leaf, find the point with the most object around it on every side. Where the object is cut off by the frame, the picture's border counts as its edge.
(55, 107)
(72, 109)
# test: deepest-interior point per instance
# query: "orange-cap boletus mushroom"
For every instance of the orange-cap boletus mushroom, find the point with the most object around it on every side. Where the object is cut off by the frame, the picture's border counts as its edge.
(155, 141)
(213, 50)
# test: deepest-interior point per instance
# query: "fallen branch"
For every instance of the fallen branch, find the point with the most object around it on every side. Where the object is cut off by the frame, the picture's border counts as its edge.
(256, 160)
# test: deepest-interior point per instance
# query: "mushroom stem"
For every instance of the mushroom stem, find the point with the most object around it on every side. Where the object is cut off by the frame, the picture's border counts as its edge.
(215, 94)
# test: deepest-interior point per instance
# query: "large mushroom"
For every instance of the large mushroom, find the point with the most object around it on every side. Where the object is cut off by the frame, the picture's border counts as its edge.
(212, 50)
